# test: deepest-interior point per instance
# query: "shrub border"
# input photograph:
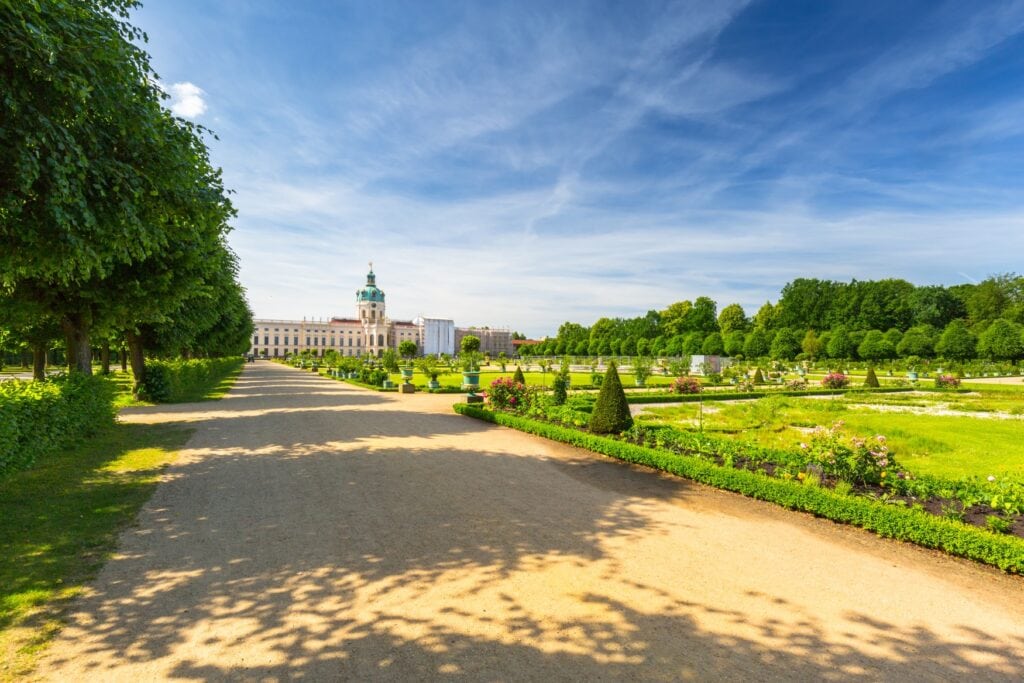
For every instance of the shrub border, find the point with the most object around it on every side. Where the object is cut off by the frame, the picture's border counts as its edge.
(888, 521)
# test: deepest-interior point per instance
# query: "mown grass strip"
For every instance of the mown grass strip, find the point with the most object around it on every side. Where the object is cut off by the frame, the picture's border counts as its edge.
(890, 521)
(59, 524)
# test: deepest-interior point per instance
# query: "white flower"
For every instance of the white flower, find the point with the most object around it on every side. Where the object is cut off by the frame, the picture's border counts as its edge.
(991, 478)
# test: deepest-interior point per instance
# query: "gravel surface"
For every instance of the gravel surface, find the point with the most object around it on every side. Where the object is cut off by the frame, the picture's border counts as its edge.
(319, 531)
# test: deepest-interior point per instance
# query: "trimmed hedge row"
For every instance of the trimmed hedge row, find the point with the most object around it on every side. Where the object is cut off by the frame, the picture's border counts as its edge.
(905, 524)
(37, 418)
(177, 381)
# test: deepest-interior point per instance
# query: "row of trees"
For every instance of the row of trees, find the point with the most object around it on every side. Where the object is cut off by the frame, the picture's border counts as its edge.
(113, 221)
(813, 319)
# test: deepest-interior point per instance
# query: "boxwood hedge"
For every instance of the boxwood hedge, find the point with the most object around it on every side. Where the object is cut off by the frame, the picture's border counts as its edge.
(905, 524)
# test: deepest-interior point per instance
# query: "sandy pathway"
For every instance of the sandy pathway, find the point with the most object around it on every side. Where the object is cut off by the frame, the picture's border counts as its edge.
(318, 531)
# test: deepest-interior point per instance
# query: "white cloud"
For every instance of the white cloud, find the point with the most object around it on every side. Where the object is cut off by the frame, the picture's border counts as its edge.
(187, 100)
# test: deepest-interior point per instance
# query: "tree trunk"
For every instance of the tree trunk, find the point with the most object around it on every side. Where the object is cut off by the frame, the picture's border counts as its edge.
(105, 356)
(76, 330)
(138, 362)
(124, 358)
(39, 362)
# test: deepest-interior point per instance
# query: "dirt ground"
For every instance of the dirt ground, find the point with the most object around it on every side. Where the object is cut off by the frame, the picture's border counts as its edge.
(319, 531)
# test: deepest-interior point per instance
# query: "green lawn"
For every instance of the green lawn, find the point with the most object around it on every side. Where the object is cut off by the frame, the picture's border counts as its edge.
(59, 524)
(942, 445)
(538, 378)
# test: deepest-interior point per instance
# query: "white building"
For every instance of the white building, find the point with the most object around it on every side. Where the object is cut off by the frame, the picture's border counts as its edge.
(371, 332)
(437, 336)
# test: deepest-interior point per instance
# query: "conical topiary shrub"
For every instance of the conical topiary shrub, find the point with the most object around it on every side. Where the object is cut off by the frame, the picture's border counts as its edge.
(611, 412)
(758, 377)
(518, 376)
(870, 380)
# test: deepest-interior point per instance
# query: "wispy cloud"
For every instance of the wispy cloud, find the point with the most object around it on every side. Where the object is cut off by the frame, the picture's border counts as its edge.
(526, 163)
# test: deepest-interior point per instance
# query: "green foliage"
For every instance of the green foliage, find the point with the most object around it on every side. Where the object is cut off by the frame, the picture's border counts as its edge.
(875, 347)
(39, 418)
(1001, 341)
(758, 377)
(470, 344)
(901, 523)
(686, 385)
(870, 379)
(407, 348)
(518, 376)
(835, 380)
(855, 460)
(559, 388)
(956, 342)
(179, 381)
(611, 412)
(785, 345)
(389, 360)
(757, 344)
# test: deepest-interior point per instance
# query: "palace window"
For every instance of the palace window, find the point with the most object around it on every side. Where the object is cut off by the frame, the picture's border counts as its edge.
(266, 340)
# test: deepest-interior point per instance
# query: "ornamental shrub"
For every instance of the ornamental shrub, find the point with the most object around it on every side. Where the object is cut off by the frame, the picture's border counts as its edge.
(858, 460)
(174, 381)
(946, 382)
(37, 418)
(507, 394)
(611, 411)
(559, 391)
(518, 376)
(870, 380)
(758, 377)
(835, 380)
(686, 385)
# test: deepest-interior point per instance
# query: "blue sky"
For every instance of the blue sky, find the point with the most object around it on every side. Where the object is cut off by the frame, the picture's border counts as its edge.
(524, 163)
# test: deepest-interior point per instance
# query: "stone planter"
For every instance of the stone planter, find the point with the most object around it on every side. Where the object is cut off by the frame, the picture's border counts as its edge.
(433, 384)
(388, 384)
(912, 376)
(407, 388)
(640, 382)
(406, 375)
(471, 380)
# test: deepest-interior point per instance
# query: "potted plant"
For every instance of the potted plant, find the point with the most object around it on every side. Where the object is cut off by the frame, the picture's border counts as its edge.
(407, 349)
(470, 359)
(430, 367)
(641, 370)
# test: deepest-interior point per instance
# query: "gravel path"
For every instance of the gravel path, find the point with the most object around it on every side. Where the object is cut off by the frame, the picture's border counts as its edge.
(314, 530)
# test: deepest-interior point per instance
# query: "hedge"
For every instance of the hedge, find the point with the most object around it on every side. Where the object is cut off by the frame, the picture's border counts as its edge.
(37, 418)
(890, 521)
(175, 381)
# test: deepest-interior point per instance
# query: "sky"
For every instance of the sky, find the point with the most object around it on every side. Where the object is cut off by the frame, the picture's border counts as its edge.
(519, 164)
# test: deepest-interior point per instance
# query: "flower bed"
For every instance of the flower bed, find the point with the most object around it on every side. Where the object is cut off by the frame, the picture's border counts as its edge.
(886, 517)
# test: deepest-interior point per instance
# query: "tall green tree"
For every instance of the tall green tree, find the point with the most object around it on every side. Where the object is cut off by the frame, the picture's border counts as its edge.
(956, 342)
(733, 319)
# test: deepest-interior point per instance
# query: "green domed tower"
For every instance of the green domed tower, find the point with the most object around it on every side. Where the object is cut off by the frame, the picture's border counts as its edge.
(370, 311)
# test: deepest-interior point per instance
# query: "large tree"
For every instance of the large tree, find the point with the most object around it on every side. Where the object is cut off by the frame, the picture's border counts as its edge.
(96, 176)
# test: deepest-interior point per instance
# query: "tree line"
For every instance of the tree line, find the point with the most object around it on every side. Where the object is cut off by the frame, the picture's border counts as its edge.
(113, 221)
(868, 320)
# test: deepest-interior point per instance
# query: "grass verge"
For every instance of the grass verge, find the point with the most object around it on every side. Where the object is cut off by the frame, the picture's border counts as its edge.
(59, 524)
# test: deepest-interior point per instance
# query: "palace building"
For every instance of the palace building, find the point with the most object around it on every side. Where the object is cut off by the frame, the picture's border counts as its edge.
(371, 332)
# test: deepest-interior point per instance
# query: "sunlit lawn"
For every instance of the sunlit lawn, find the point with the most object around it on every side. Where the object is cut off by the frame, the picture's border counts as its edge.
(454, 379)
(59, 523)
(943, 445)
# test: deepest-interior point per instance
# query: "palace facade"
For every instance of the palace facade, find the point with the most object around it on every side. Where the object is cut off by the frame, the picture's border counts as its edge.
(370, 332)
